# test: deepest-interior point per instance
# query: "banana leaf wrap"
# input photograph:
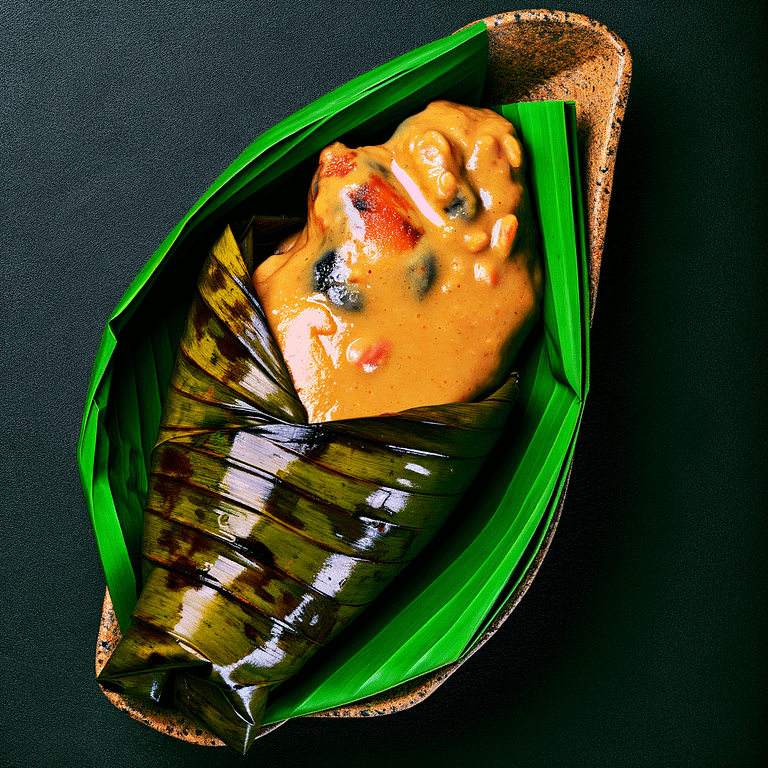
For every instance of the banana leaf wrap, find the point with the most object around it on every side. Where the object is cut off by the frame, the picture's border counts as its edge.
(265, 535)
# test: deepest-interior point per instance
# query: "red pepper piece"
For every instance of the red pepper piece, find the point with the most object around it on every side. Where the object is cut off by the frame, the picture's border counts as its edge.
(382, 211)
(375, 355)
(339, 165)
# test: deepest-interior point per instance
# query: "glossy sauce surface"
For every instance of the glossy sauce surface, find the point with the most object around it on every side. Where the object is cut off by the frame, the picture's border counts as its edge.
(416, 278)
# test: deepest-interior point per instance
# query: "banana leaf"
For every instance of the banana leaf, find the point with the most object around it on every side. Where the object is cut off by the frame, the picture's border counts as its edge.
(265, 535)
(441, 603)
(135, 357)
(451, 594)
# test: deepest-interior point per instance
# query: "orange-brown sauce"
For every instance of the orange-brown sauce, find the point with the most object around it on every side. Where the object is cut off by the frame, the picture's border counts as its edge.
(416, 277)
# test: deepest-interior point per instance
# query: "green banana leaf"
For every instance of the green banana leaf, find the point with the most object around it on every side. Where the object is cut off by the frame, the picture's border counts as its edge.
(442, 603)
(448, 597)
(265, 535)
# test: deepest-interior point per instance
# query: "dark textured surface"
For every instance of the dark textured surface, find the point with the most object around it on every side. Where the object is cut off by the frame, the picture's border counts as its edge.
(641, 640)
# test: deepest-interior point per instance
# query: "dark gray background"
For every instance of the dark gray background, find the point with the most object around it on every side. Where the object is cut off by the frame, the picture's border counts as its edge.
(641, 641)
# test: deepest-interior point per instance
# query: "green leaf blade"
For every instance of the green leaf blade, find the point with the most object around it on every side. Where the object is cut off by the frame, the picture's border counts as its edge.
(436, 611)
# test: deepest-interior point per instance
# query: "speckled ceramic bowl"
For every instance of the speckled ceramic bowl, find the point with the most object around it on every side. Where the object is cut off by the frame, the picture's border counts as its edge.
(534, 55)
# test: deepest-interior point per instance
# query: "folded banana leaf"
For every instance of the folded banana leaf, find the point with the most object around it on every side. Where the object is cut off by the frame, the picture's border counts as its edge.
(445, 600)
(136, 355)
(265, 535)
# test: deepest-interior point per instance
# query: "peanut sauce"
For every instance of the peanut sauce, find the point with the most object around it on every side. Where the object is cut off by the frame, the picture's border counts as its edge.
(416, 277)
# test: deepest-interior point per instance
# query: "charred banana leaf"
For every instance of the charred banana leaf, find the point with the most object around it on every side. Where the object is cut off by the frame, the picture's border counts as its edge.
(265, 535)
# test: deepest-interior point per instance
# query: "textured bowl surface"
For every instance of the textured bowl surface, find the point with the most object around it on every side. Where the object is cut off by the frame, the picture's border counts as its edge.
(535, 55)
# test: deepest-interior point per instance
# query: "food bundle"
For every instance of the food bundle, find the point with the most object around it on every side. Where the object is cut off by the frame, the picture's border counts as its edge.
(265, 533)
(274, 529)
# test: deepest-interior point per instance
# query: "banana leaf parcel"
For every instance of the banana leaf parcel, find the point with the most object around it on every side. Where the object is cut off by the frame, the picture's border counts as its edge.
(239, 430)
(265, 535)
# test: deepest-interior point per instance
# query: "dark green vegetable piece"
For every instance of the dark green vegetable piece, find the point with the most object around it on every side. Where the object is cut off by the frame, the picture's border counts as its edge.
(265, 535)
